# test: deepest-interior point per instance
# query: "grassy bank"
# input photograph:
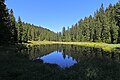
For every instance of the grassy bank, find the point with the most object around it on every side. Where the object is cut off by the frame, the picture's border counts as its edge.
(104, 46)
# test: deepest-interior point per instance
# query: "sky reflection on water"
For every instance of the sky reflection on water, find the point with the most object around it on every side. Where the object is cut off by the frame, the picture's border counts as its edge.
(58, 58)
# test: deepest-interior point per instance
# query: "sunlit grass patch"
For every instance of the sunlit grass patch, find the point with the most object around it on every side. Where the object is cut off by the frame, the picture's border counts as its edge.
(104, 46)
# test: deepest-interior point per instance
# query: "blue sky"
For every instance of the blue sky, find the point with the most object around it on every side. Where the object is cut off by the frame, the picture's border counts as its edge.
(54, 14)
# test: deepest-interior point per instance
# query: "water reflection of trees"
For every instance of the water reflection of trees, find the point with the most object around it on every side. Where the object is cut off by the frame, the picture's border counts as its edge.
(39, 51)
(95, 68)
(92, 63)
(76, 52)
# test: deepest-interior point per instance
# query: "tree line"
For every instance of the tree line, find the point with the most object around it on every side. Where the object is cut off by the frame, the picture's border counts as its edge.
(30, 32)
(104, 26)
(12, 31)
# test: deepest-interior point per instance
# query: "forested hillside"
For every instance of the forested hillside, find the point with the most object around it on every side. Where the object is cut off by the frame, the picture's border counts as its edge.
(104, 26)
(30, 32)
(12, 31)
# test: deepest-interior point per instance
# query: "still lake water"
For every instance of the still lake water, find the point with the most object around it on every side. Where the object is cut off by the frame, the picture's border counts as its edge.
(69, 55)
(58, 58)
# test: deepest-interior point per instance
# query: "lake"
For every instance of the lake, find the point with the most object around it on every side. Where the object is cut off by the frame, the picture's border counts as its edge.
(66, 56)
(58, 58)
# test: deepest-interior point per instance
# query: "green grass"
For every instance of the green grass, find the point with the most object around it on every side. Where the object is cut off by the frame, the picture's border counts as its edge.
(104, 46)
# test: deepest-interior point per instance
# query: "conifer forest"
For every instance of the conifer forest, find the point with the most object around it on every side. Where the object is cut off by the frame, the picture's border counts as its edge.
(87, 50)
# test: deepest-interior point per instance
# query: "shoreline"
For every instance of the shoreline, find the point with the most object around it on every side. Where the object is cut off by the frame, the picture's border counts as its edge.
(104, 46)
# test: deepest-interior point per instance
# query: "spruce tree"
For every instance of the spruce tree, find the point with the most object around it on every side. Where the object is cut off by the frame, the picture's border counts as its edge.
(5, 33)
(117, 18)
(13, 28)
(20, 30)
(63, 34)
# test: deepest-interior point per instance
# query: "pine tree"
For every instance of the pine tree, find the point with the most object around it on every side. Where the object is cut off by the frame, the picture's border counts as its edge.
(63, 34)
(91, 27)
(5, 33)
(102, 17)
(97, 27)
(112, 24)
(20, 30)
(80, 25)
(117, 18)
(13, 28)
(67, 35)
(25, 33)
(86, 32)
